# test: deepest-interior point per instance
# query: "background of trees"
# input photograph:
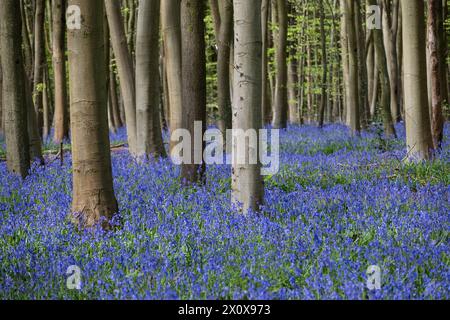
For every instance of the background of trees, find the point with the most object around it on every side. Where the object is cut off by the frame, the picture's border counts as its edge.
(151, 65)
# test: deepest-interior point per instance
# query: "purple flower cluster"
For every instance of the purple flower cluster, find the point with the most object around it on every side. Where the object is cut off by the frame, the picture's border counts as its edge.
(339, 205)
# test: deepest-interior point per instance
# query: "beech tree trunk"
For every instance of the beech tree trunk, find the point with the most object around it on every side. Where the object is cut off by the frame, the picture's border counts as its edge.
(281, 95)
(383, 75)
(114, 99)
(93, 194)
(247, 182)
(323, 96)
(224, 25)
(14, 94)
(266, 96)
(39, 62)
(194, 82)
(418, 132)
(390, 32)
(61, 119)
(149, 136)
(353, 100)
(125, 68)
(438, 68)
(171, 32)
(345, 59)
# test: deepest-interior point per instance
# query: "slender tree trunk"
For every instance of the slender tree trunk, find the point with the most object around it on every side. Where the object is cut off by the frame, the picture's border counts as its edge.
(418, 131)
(247, 183)
(301, 83)
(371, 72)
(294, 116)
(59, 67)
(125, 68)
(170, 18)
(149, 137)
(93, 194)
(223, 63)
(46, 105)
(33, 129)
(382, 74)
(362, 70)
(345, 59)
(390, 31)
(131, 27)
(323, 96)
(165, 90)
(437, 59)
(281, 94)
(14, 100)
(114, 100)
(39, 62)
(194, 82)
(353, 86)
(266, 97)
(309, 62)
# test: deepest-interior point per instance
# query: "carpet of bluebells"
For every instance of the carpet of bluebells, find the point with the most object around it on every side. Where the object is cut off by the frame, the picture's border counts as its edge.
(339, 205)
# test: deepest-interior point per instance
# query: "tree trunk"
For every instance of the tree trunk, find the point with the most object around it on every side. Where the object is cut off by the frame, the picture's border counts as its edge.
(194, 83)
(371, 72)
(382, 74)
(353, 86)
(390, 31)
(438, 68)
(125, 68)
(170, 18)
(247, 183)
(418, 131)
(223, 63)
(93, 194)
(114, 99)
(14, 99)
(363, 102)
(294, 116)
(61, 119)
(149, 137)
(46, 105)
(323, 96)
(281, 95)
(345, 59)
(266, 97)
(39, 62)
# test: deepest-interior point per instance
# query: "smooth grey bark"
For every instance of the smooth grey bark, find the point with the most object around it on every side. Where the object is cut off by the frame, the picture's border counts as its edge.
(438, 85)
(417, 118)
(323, 41)
(39, 62)
(345, 60)
(93, 194)
(223, 63)
(14, 95)
(171, 33)
(61, 118)
(194, 81)
(149, 135)
(125, 68)
(390, 34)
(247, 182)
(353, 100)
(281, 93)
(266, 97)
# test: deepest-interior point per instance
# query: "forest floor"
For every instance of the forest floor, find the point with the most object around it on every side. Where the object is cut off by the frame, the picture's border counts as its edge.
(339, 205)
